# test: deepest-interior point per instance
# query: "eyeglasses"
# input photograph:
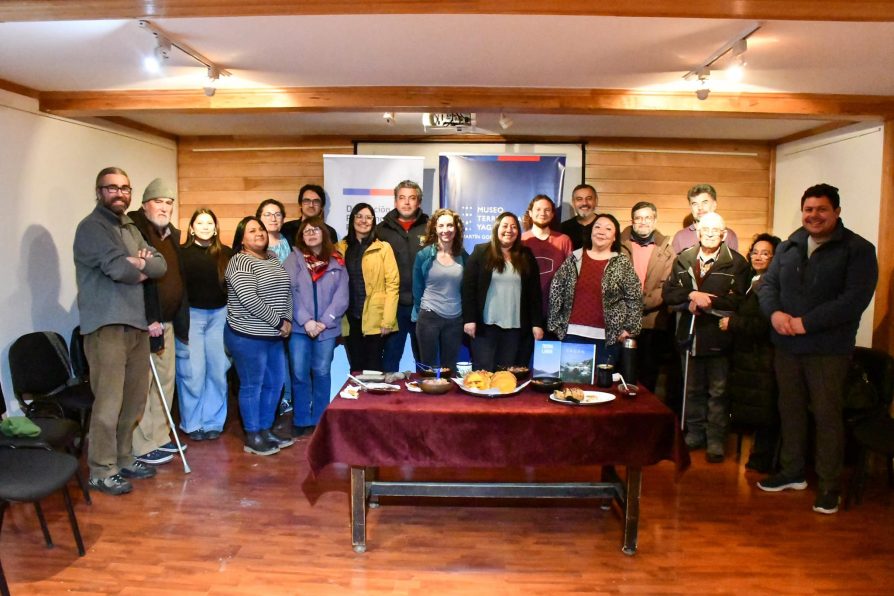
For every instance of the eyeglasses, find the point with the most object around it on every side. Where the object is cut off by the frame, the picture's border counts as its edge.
(315, 202)
(115, 189)
(310, 230)
(276, 215)
(643, 219)
(712, 231)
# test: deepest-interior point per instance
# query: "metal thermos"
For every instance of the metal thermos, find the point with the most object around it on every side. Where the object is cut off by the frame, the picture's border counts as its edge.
(628, 360)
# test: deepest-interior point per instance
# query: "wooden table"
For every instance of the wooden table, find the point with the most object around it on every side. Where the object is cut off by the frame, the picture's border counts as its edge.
(457, 430)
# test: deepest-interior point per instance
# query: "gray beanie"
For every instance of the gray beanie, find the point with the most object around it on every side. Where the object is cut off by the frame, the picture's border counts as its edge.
(159, 189)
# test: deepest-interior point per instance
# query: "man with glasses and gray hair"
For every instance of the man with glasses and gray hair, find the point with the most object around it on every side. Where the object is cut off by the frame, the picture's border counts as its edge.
(112, 260)
(652, 257)
(707, 282)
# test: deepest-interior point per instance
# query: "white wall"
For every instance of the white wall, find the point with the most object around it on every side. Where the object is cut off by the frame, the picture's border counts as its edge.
(47, 172)
(849, 159)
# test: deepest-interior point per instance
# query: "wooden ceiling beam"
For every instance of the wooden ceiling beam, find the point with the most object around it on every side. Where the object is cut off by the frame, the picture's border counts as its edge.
(807, 10)
(495, 99)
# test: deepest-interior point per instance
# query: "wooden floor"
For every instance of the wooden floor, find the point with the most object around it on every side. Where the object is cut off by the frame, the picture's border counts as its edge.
(243, 524)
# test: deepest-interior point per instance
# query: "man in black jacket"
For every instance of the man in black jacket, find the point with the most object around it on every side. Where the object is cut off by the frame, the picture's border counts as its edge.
(707, 282)
(404, 229)
(312, 202)
(817, 287)
(167, 311)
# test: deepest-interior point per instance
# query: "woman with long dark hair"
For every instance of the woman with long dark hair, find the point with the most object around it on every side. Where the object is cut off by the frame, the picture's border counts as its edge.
(501, 298)
(202, 364)
(596, 296)
(319, 282)
(259, 317)
(437, 295)
(374, 287)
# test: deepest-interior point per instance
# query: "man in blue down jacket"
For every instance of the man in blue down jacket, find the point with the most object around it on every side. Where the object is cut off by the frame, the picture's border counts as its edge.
(815, 291)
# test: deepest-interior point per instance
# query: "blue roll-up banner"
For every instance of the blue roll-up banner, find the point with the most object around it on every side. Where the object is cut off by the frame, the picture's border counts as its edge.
(480, 187)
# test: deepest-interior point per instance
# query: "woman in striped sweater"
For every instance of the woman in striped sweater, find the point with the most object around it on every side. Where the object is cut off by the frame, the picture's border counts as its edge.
(259, 315)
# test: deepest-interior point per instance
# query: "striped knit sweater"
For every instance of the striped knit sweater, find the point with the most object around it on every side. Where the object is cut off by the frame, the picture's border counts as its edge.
(258, 296)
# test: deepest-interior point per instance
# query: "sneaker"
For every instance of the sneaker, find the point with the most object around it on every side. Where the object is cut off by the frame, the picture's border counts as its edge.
(170, 447)
(280, 442)
(212, 435)
(196, 435)
(156, 457)
(256, 443)
(138, 470)
(826, 502)
(113, 485)
(778, 482)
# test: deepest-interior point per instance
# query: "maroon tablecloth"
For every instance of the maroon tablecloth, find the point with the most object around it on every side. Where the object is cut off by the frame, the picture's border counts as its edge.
(457, 430)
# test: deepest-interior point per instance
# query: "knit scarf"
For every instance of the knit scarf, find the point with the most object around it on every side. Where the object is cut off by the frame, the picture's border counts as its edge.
(642, 241)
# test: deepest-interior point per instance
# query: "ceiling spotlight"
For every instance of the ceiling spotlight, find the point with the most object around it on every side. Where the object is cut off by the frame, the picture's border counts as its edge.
(160, 54)
(210, 87)
(389, 118)
(505, 121)
(703, 91)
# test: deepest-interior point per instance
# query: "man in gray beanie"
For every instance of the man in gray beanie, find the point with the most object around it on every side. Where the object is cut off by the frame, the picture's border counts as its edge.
(167, 311)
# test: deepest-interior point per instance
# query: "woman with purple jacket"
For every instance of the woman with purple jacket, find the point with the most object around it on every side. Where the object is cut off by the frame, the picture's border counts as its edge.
(319, 282)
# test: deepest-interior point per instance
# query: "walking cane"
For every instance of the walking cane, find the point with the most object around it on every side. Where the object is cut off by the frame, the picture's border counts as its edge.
(689, 342)
(161, 394)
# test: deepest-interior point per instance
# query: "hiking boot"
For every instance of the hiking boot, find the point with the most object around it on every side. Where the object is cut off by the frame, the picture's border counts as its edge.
(156, 457)
(778, 482)
(694, 442)
(113, 485)
(826, 502)
(170, 447)
(138, 470)
(280, 442)
(259, 445)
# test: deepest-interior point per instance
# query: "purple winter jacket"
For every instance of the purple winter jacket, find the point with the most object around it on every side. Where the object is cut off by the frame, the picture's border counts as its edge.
(331, 291)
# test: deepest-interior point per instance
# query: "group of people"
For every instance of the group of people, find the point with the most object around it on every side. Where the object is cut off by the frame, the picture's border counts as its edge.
(280, 298)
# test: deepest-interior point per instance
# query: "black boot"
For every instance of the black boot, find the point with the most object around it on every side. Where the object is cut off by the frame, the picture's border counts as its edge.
(275, 439)
(258, 444)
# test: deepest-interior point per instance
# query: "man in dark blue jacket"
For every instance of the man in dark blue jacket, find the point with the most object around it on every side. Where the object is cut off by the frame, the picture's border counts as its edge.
(404, 229)
(815, 291)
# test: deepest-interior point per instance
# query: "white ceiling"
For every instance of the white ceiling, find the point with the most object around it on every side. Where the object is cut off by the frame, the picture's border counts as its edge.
(646, 54)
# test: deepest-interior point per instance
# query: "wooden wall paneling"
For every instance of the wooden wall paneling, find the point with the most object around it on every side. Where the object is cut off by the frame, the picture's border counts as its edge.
(232, 175)
(883, 322)
(625, 171)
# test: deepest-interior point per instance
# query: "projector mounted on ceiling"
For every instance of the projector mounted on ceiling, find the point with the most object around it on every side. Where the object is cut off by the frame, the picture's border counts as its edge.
(459, 122)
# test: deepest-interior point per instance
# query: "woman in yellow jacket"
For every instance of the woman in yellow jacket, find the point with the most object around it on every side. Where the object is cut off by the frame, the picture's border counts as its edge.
(374, 284)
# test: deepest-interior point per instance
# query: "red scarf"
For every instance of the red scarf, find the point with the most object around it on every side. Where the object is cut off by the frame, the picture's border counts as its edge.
(315, 266)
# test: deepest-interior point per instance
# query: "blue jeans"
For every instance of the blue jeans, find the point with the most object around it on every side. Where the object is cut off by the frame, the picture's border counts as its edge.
(396, 341)
(311, 361)
(261, 364)
(202, 372)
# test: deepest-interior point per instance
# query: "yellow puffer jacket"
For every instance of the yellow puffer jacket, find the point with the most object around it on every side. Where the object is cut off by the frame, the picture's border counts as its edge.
(382, 280)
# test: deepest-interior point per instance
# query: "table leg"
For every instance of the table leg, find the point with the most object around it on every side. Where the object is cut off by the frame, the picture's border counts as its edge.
(631, 510)
(372, 474)
(358, 508)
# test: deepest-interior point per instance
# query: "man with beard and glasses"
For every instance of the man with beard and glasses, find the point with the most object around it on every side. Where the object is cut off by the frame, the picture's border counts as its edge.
(112, 260)
(167, 311)
(652, 257)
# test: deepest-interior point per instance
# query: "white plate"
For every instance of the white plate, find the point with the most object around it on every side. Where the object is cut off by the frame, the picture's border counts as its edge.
(489, 392)
(591, 398)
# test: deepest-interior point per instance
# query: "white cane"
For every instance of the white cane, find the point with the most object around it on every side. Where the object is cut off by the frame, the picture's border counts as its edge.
(161, 394)
(689, 344)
